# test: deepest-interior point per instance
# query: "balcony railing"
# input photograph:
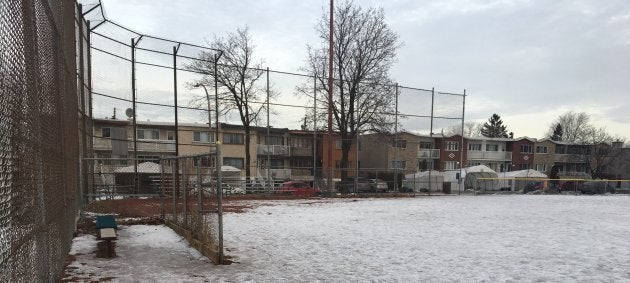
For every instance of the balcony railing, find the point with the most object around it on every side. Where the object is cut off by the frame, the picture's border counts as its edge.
(301, 151)
(274, 150)
(569, 158)
(143, 145)
(429, 153)
(301, 173)
(277, 173)
(489, 155)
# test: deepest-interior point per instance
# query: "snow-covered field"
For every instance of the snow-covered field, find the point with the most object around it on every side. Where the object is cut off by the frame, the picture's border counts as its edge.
(451, 238)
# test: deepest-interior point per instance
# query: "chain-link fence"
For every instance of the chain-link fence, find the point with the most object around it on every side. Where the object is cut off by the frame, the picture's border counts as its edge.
(192, 204)
(482, 184)
(42, 84)
(158, 84)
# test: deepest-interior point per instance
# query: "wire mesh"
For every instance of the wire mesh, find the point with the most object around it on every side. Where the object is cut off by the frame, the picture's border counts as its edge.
(167, 81)
(41, 82)
(192, 206)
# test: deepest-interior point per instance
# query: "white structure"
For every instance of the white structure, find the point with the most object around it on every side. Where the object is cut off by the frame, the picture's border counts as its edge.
(519, 179)
(426, 180)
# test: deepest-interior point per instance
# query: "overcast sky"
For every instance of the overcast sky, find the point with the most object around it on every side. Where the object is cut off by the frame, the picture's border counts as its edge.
(528, 61)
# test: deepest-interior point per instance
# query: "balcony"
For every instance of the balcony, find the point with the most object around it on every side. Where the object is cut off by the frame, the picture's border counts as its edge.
(143, 145)
(301, 151)
(273, 150)
(301, 173)
(569, 158)
(428, 153)
(489, 155)
(278, 174)
(102, 144)
(154, 145)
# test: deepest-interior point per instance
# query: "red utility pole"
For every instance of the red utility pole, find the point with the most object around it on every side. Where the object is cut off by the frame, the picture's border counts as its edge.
(330, 100)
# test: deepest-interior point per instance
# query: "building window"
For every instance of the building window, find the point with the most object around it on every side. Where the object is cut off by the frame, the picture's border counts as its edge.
(275, 163)
(338, 144)
(148, 134)
(525, 166)
(148, 158)
(526, 148)
(450, 165)
(234, 162)
(358, 145)
(233, 138)
(399, 164)
(474, 146)
(400, 144)
(170, 135)
(273, 140)
(106, 132)
(425, 145)
(338, 164)
(204, 161)
(301, 142)
(561, 150)
(205, 137)
(541, 149)
(541, 167)
(452, 146)
(301, 163)
(492, 147)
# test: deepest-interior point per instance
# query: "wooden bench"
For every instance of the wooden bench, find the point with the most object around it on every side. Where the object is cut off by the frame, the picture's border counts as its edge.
(106, 229)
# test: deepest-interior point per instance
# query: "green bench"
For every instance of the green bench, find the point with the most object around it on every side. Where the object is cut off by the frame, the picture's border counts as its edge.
(106, 230)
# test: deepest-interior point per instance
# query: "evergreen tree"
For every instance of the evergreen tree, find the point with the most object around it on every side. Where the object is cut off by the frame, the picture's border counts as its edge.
(494, 128)
(557, 133)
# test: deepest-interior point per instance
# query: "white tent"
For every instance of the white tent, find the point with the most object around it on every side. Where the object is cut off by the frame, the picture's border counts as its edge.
(530, 173)
(472, 174)
(518, 179)
(451, 175)
(422, 181)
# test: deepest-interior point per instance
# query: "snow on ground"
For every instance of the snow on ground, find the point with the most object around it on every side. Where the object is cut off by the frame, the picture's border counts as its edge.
(450, 238)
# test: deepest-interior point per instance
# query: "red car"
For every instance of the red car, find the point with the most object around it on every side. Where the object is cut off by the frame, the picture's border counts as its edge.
(296, 188)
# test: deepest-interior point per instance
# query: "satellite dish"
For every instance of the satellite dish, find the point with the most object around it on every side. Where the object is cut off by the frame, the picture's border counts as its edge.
(129, 112)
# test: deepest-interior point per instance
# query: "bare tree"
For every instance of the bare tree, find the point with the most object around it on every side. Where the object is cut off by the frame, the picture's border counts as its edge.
(471, 129)
(575, 126)
(595, 143)
(364, 50)
(237, 77)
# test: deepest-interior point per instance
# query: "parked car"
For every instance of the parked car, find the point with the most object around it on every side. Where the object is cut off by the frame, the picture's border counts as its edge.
(533, 186)
(296, 188)
(378, 185)
(363, 185)
(588, 187)
(592, 188)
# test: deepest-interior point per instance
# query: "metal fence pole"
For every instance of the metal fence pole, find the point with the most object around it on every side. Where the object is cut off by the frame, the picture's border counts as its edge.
(218, 152)
(135, 125)
(269, 146)
(395, 161)
(314, 129)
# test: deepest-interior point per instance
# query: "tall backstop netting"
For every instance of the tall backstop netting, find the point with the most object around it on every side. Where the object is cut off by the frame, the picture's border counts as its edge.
(41, 114)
